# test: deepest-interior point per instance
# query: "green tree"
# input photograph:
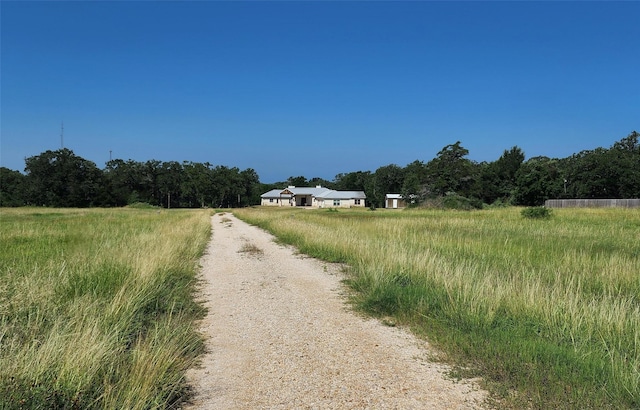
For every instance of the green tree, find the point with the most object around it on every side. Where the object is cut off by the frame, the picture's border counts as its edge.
(124, 181)
(498, 179)
(415, 187)
(627, 151)
(594, 174)
(537, 180)
(411, 191)
(196, 185)
(315, 181)
(12, 187)
(298, 181)
(169, 181)
(62, 179)
(451, 172)
(387, 179)
(227, 186)
(250, 188)
(352, 181)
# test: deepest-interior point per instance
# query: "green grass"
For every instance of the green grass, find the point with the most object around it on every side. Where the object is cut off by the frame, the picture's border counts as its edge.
(547, 311)
(96, 306)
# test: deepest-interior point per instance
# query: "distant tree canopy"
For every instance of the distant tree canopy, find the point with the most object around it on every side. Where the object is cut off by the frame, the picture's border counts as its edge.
(62, 179)
(599, 173)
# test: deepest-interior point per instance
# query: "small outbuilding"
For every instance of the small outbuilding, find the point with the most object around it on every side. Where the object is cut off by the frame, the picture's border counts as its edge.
(394, 201)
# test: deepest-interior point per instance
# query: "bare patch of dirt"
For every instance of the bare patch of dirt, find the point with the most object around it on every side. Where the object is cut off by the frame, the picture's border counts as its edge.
(281, 336)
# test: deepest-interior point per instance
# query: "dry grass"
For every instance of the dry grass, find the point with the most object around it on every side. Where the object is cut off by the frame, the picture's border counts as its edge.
(96, 306)
(548, 307)
(251, 249)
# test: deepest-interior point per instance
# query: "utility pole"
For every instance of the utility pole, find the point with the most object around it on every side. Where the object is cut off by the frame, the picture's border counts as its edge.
(62, 134)
(109, 155)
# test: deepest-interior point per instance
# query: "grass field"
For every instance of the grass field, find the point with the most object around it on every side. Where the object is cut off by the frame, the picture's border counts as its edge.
(96, 306)
(546, 311)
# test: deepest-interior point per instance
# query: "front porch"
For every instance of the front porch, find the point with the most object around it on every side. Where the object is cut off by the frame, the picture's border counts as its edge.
(299, 199)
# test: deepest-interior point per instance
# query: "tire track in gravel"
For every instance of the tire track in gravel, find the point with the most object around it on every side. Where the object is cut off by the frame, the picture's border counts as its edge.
(281, 336)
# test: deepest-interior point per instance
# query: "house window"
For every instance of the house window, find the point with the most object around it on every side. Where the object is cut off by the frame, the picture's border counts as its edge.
(356, 201)
(336, 202)
(270, 199)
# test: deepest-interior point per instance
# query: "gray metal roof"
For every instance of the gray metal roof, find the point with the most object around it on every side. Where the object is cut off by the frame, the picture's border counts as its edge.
(308, 191)
(343, 195)
(318, 192)
(275, 193)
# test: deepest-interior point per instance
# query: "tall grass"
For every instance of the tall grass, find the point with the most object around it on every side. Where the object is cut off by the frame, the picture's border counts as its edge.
(548, 311)
(96, 306)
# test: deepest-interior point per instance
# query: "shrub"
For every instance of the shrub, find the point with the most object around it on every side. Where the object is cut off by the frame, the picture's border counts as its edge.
(536, 212)
(455, 201)
(142, 205)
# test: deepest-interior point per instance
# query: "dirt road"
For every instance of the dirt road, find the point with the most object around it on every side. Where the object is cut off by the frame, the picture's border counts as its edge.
(281, 336)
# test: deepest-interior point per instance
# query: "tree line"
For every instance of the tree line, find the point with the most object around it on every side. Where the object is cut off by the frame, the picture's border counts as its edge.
(62, 179)
(451, 179)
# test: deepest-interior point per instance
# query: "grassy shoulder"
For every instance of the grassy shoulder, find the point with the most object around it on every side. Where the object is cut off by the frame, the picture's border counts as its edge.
(546, 310)
(96, 306)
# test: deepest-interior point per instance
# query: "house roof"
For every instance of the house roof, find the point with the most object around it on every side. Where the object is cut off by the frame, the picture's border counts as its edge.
(393, 196)
(343, 195)
(275, 193)
(318, 192)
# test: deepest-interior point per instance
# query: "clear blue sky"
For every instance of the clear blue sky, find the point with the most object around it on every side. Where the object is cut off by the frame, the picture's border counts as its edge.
(315, 88)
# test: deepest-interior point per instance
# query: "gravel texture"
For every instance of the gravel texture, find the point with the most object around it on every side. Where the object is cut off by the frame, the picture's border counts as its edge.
(280, 335)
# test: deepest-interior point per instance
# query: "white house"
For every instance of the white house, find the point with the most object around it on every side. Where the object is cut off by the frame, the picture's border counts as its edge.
(317, 197)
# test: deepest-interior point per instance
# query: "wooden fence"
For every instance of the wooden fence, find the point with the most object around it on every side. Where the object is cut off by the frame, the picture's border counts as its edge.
(592, 203)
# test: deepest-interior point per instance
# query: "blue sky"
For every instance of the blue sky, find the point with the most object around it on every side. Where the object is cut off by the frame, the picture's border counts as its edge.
(315, 88)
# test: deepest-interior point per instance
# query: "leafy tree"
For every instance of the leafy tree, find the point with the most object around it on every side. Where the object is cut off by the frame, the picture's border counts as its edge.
(298, 181)
(411, 191)
(62, 179)
(227, 186)
(315, 181)
(604, 173)
(627, 152)
(450, 171)
(593, 174)
(250, 182)
(630, 143)
(12, 188)
(150, 186)
(387, 179)
(169, 181)
(537, 180)
(196, 184)
(124, 180)
(415, 187)
(498, 179)
(352, 181)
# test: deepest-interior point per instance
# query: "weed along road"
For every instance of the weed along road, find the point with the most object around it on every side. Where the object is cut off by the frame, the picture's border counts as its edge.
(280, 335)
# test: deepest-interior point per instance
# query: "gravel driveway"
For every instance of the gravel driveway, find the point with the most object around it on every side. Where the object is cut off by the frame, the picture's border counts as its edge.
(280, 335)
